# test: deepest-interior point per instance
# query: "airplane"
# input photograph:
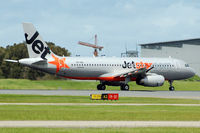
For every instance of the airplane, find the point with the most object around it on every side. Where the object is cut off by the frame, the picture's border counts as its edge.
(110, 71)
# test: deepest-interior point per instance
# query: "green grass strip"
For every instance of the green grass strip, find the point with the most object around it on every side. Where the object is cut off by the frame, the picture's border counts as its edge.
(129, 113)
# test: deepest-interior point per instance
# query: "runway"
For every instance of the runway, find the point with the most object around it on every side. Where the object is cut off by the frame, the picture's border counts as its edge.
(157, 94)
(98, 124)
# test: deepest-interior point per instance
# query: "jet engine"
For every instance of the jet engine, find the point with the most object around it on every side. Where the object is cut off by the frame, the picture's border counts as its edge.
(151, 80)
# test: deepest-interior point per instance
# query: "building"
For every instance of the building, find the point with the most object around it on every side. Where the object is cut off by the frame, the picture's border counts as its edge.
(187, 50)
(130, 53)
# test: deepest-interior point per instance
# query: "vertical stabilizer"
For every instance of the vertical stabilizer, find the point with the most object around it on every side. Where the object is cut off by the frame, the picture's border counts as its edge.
(37, 48)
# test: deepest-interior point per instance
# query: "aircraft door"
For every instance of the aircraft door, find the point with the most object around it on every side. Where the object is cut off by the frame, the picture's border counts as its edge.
(177, 65)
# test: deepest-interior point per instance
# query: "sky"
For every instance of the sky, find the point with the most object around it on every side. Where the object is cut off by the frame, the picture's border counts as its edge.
(117, 23)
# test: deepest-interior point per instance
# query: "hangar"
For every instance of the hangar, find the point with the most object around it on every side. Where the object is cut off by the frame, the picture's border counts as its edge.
(187, 50)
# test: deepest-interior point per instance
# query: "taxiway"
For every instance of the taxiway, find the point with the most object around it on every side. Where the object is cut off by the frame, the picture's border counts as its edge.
(157, 94)
(99, 124)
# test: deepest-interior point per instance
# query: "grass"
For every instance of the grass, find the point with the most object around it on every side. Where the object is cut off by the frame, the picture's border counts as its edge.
(28, 112)
(87, 85)
(13, 98)
(101, 130)
(194, 78)
(112, 113)
(132, 113)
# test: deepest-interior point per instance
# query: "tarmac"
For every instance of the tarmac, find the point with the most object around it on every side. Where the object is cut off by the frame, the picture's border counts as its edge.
(144, 93)
(98, 124)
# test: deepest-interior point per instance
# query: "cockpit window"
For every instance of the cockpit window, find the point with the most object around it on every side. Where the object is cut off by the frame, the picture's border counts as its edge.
(186, 65)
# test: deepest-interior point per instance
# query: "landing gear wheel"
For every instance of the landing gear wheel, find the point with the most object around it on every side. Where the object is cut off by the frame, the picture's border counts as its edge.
(124, 87)
(171, 88)
(101, 87)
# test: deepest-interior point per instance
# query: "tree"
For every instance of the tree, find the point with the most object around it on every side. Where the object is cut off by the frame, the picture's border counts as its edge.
(2, 54)
(58, 50)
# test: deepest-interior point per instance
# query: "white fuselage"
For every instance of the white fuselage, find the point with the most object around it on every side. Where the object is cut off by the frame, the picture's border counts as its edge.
(100, 68)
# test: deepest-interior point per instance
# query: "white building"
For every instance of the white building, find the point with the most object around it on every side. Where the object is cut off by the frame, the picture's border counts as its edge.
(187, 50)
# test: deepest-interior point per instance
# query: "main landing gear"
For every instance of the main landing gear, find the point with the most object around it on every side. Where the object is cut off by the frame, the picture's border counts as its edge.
(123, 86)
(171, 88)
(101, 87)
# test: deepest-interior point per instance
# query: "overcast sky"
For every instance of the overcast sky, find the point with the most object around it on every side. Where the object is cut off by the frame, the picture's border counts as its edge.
(116, 22)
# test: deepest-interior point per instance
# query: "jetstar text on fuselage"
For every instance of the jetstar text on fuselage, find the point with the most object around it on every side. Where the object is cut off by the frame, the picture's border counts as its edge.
(136, 65)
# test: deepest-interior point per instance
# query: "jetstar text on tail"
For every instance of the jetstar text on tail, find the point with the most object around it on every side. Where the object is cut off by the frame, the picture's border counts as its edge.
(37, 45)
(136, 65)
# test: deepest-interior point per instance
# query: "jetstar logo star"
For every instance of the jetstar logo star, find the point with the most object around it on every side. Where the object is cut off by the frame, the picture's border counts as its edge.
(60, 63)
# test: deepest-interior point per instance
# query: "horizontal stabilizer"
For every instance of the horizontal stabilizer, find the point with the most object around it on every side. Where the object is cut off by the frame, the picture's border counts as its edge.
(14, 61)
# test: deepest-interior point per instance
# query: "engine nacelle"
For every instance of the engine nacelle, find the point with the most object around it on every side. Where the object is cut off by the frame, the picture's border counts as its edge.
(151, 80)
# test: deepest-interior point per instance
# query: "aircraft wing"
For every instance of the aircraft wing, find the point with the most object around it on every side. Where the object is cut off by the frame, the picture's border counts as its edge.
(134, 73)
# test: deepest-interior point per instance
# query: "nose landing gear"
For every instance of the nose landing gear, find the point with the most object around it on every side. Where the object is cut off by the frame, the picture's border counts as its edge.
(171, 88)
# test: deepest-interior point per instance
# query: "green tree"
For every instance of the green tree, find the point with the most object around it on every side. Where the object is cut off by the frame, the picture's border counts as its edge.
(58, 50)
(2, 54)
